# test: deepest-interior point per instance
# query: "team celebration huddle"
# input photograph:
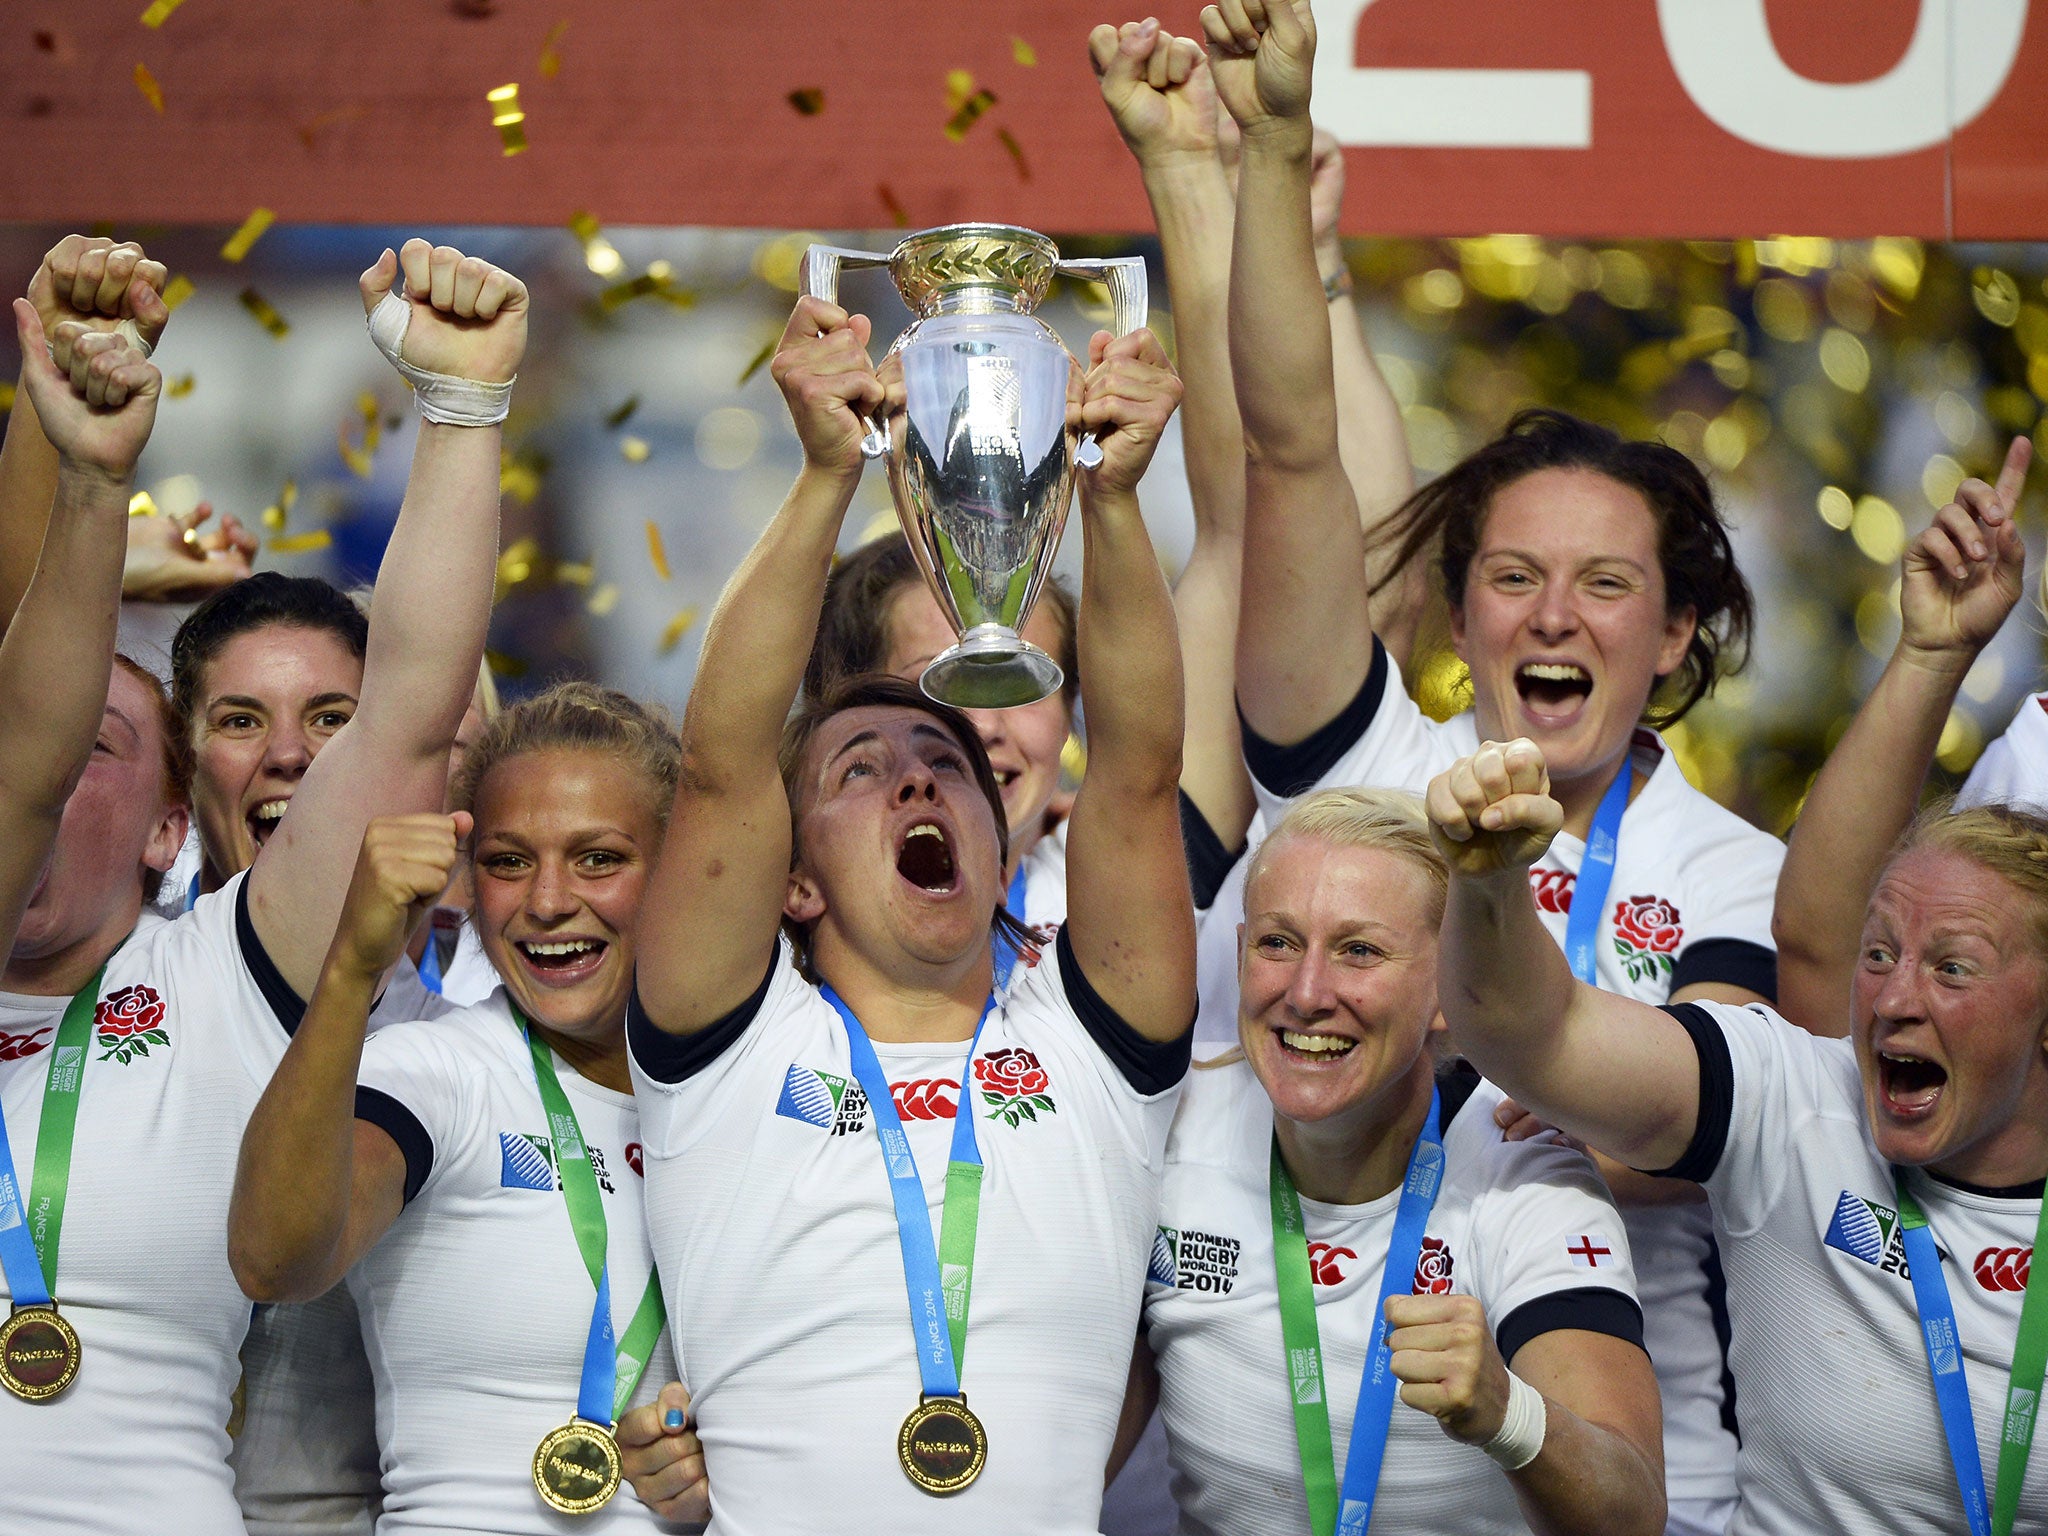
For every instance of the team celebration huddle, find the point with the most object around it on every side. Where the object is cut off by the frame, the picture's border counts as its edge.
(1323, 1118)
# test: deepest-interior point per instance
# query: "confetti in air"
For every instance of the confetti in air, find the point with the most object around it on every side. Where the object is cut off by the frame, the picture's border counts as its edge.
(624, 413)
(676, 628)
(809, 101)
(360, 460)
(152, 93)
(181, 386)
(599, 254)
(1009, 142)
(160, 12)
(275, 514)
(897, 213)
(550, 55)
(266, 316)
(507, 118)
(302, 543)
(1023, 53)
(251, 231)
(177, 291)
(634, 449)
(142, 504)
(656, 551)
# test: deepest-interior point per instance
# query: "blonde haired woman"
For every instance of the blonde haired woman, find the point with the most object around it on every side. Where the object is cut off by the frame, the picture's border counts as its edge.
(1327, 1178)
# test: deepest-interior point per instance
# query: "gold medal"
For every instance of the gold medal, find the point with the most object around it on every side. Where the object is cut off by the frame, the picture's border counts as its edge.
(942, 1445)
(39, 1354)
(576, 1468)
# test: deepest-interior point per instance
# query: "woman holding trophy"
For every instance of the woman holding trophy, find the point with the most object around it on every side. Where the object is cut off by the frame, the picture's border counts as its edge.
(817, 936)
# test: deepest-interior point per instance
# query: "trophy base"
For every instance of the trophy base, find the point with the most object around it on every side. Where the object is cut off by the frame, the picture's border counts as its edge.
(991, 668)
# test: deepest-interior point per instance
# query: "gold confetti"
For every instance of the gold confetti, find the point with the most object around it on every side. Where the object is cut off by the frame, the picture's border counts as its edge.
(250, 232)
(809, 101)
(599, 254)
(159, 12)
(516, 565)
(6, 396)
(507, 118)
(275, 514)
(959, 86)
(656, 551)
(152, 93)
(634, 449)
(658, 281)
(302, 543)
(519, 478)
(359, 460)
(896, 209)
(266, 316)
(1073, 757)
(142, 504)
(550, 55)
(180, 387)
(624, 413)
(1023, 53)
(177, 291)
(970, 111)
(503, 665)
(603, 600)
(759, 358)
(573, 573)
(1008, 140)
(676, 628)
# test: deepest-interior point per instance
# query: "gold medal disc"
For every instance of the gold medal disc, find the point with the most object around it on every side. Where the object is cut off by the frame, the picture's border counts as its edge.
(39, 1354)
(576, 1468)
(942, 1445)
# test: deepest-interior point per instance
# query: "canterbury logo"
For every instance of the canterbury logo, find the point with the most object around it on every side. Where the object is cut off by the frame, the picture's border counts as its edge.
(2004, 1269)
(926, 1098)
(1326, 1263)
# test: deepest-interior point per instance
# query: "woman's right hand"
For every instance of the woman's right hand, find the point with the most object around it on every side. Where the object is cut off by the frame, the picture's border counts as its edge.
(1262, 56)
(822, 367)
(663, 1458)
(402, 868)
(1493, 811)
(1963, 575)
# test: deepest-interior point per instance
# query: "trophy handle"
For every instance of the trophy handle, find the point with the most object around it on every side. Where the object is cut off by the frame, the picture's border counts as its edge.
(1124, 277)
(818, 278)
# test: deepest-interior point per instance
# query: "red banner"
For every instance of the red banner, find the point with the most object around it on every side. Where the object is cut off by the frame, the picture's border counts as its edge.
(1650, 118)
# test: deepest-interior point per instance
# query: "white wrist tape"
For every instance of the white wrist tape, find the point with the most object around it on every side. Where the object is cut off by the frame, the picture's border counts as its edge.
(442, 397)
(1520, 1437)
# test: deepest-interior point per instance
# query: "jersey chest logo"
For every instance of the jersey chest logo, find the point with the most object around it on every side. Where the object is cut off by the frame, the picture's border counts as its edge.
(1326, 1263)
(1552, 889)
(2004, 1269)
(1014, 1084)
(1865, 1230)
(16, 1044)
(128, 1022)
(822, 1099)
(1189, 1260)
(926, 1098)
(1647, 933)
(528, 1162)
(1432, 1269)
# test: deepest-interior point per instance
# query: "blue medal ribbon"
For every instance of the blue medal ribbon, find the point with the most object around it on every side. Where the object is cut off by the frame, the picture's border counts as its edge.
(430, 962)
(937, 1362)
(19, 1260)
(1005, 950)
(1373, 1416)
(1596, 877)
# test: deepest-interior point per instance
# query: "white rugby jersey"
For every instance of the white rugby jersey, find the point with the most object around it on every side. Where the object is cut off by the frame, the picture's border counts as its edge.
(1045, 882)
(773, 1224)
(1690, 901)
(1840, 1428)
(1526, 1227)
(2014, 768)
(475, 1304)
(183, 1040)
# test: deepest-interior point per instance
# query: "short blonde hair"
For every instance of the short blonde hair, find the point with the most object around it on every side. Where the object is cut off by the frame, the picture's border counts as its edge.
(577, 717)
(1390, 820)
(2009, 842)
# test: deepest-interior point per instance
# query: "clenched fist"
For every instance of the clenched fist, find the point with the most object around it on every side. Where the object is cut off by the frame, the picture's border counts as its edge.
(1126, 398)
(664, 1459)
(1493, 811)
(468, 317)
(402, 868)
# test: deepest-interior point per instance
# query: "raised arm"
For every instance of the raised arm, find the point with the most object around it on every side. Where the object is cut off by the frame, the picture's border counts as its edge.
(464, 324)
(713, 907)
(1961, 579)
(1615, 1073)
(315, 1187)
(99, 287)
(1130, 916)
(55, 659)
(1304, 641)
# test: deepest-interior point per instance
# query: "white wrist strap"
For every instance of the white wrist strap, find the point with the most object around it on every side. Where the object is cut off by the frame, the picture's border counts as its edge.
(1520, 1437)
(442, 397)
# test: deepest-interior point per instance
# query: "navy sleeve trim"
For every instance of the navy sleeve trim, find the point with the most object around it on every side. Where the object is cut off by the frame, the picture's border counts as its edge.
(1149, 1066)
(1455, 1085)
(404, 1128)
(1717, 1097)
(1730, 963)
(676, 1058)
(289, 1007)
(1209, 862)
(1592, 1309)
(1295, 770)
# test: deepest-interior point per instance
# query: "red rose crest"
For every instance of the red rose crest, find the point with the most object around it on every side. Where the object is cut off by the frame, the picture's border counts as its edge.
(129, 1022)
(1014, 1084)
(1433, 1268)
(926, 1098)
(1552, 889)
(15, 1046)
(1647, 933)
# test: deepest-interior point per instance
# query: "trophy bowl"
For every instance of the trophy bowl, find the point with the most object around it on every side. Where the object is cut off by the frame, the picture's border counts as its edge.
(980, 457)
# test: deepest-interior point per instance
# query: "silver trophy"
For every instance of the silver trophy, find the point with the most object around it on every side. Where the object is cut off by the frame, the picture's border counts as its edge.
(981, 462)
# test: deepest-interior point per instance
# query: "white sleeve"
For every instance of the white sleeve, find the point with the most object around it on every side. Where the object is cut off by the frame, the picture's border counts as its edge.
(2014, 768)
(424, 1095)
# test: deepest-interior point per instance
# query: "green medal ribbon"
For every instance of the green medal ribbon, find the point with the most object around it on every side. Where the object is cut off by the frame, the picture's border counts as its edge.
(36, 1284)
(1304, 1344)
(586, 1218)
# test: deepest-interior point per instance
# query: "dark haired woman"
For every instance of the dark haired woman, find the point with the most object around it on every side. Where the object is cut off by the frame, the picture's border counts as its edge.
(1593, 594)
(802, 1198)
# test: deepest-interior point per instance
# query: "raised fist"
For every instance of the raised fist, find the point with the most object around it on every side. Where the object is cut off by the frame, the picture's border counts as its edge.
(1262, 55)
(402, 868)
(1126, 397)
(96, 398)
(1157, 89)
(829, 383)
(101, 286)
(1493, 811)
(468, 318)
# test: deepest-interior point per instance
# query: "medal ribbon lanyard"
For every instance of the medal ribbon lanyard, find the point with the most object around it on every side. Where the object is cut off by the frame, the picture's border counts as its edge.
(610, 1372)
(1951, 1387)
(29, 1237)
(1005, 949)
(1596, 876)
(1376, 1388)
(940, 1281)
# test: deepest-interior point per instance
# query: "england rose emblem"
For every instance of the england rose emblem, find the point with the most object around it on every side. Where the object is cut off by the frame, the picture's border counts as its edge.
(1647, 933)
(1013, 1084)
(1433, 1268)
(129, 1022)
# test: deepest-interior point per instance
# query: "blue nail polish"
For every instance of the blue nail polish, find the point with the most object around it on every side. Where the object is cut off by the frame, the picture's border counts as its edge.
(673, 1419)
